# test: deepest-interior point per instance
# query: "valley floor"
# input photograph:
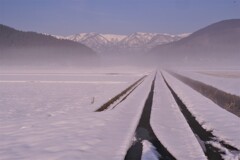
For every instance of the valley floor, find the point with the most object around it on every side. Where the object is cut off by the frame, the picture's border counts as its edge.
(137, 114)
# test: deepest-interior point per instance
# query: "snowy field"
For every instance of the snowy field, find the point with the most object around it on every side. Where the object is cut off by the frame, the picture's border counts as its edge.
(46, 116)
(226, 74)
(223, 80)
(53, 117)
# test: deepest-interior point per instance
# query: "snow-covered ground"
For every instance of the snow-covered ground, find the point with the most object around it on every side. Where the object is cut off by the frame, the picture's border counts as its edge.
(52, 116)
(227, 84)
(222, 73)
(59, 91)
(225, 126)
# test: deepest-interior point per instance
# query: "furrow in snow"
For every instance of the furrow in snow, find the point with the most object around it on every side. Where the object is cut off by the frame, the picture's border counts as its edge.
(116, 136)
(144, 132)
(216, 128)
(112, 103)
(170, 125)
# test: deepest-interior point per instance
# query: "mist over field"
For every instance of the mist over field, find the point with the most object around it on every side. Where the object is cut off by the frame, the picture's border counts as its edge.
(214, 46)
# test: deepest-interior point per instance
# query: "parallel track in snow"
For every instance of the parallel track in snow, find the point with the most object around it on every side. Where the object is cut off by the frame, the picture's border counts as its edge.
(144, 131)
(113, 102)
(207, 140)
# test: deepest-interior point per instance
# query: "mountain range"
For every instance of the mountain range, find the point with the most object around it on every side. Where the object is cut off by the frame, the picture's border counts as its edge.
(23, 48)
(216, 43)
(112, 44)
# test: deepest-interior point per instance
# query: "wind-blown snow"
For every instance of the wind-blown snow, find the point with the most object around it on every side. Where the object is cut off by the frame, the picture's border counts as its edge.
(171, 127)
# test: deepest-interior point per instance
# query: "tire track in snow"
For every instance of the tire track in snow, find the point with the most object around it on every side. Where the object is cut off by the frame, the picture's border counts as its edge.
(225, 100)
(144, 131)
(121, 96)
(212, 147)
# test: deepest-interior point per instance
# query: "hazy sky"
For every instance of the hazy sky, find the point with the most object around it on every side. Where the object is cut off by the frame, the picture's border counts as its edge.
(64, 17)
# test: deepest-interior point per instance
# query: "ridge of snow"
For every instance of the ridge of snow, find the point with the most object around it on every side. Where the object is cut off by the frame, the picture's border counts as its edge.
(170, 126)
(223, 124)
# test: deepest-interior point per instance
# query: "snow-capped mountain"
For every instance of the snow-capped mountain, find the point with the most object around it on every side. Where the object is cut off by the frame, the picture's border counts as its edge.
(96, 41)
(137, 39)
(144, 41)
(114, 37)
(100, 39)
(159, 39)
(119, 44)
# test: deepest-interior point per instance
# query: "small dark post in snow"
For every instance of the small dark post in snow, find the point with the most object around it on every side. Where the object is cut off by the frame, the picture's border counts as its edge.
(93, 99)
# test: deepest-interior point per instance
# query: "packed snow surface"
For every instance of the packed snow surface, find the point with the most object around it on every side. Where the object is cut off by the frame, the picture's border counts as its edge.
(170, 126)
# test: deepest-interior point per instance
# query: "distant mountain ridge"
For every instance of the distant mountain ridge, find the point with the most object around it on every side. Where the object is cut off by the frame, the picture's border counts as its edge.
(216, 42)
(30, 47)
(106, 44)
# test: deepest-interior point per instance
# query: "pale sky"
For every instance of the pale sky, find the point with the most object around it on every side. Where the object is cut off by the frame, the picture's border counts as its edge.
(65, 17)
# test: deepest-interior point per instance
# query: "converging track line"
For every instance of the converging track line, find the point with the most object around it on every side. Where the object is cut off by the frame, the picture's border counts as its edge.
(144, 131)
(121, 96)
